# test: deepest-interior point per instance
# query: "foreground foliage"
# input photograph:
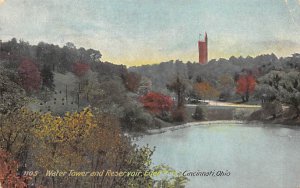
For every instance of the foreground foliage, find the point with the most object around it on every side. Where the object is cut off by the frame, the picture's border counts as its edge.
(8, 172)
(86, 141)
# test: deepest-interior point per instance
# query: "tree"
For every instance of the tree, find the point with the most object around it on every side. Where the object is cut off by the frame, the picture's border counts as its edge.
(285, 87)
(226, 86)
(179, 88)
(199, 79)
(157, 103)
(205, 90)
(30, 75)
(174, 180)
(131, 81)
(48, 54)
(80, 69)
(268, 86)
(66, 57)
(47, 77)
(89, 56)
(82, 141)
(88, 141)
(245, 86)
(8, 172)
(134, 118)
(63, 139)
(111, 150)
(12, 95)
(16, 134)
(70, 45)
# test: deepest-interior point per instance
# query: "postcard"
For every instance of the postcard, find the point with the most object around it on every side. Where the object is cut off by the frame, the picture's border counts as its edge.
(149, 94)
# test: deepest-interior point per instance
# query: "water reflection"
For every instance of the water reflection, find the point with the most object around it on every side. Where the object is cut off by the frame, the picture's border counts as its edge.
(256, 156)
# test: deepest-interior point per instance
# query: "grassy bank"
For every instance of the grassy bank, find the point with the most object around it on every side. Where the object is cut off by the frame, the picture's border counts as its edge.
(213, 113)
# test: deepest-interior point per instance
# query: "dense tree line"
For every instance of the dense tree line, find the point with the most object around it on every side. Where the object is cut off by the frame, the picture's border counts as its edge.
(265, 78)
(216, 72)
(60, 59)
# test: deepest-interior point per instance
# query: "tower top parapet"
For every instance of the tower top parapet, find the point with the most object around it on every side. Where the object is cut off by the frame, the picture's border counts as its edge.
(203, 49)
(201, 38)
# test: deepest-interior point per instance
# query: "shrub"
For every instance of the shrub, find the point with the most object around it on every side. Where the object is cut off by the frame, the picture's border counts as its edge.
(157, 103)
(178, 114)
(272, 108)
(135, 119)
(199, 113)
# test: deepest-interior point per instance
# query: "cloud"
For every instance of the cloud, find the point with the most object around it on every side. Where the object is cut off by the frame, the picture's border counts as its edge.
(2, 1)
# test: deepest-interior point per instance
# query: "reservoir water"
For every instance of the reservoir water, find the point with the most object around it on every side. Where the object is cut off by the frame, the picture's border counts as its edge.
(255, 155)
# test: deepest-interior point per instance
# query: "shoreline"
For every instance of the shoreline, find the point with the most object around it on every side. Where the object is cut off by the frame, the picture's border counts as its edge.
(190, 124)
(275, 123)
(219, 122)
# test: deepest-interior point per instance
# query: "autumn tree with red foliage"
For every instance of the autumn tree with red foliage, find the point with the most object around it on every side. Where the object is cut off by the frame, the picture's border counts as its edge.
(80, 69)
(29, 75)
(245, 86)
(157, 103)
(8, 172)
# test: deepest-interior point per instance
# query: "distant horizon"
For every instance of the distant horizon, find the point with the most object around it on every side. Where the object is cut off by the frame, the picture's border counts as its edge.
(134, 32)
(154, 63)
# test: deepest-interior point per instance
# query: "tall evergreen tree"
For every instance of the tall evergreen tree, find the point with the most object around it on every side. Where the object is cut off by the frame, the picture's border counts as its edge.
(47, 77)
(179, 87)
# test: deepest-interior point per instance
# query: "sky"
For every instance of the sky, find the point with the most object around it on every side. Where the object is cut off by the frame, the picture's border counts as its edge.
(136, 32)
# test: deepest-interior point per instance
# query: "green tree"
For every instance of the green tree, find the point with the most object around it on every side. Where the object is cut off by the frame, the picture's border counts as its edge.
(285, 87)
